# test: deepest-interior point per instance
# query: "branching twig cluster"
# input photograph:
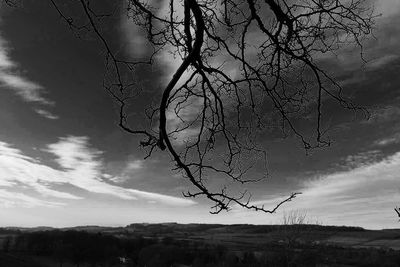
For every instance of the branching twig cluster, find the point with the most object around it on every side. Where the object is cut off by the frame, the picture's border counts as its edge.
(242, 63)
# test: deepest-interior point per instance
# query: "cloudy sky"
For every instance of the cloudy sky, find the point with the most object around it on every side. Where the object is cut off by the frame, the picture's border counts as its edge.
(64, 161)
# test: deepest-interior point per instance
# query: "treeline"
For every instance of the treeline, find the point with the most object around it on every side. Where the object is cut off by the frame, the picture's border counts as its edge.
(166, 228)
(74, 247)
(96, 249)
(84, 249)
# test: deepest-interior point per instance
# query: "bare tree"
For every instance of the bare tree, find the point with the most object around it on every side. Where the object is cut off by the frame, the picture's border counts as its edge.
(243, 66)
(294, 226)
(294, 217)
(295, 229)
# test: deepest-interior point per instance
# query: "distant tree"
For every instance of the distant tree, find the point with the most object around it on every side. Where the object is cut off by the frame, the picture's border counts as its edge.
(294, 217)
(244, 66)
(295, 227)
(296, 224)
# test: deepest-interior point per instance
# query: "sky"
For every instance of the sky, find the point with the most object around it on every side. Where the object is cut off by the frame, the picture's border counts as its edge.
(65, 162)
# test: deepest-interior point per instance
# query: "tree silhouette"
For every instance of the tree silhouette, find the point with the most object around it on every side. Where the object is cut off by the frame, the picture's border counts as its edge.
(243, 66)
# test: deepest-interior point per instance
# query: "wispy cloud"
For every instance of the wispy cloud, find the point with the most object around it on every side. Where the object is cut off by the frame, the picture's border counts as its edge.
(14, 199)
(131, 168)
(388, 113)
(46, 114)
(362, 159)
(380, 62)
(80, 166)
(390, 140)
(18, 170)
(364, 196)
(29, 91)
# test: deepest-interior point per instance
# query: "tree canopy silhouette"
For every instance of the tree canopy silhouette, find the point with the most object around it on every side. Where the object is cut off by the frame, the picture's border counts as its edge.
(242, 67)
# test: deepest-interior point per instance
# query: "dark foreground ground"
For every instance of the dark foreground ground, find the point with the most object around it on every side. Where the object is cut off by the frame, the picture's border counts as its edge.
(200, 245)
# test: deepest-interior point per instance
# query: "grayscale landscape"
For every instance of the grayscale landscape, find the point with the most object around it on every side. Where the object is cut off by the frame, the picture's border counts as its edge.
(199, 133)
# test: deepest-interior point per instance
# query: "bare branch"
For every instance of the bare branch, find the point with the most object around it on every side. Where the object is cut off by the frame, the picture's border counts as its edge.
(244, 66)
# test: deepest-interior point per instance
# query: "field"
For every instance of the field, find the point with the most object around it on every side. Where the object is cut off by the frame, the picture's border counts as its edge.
(171, 244)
